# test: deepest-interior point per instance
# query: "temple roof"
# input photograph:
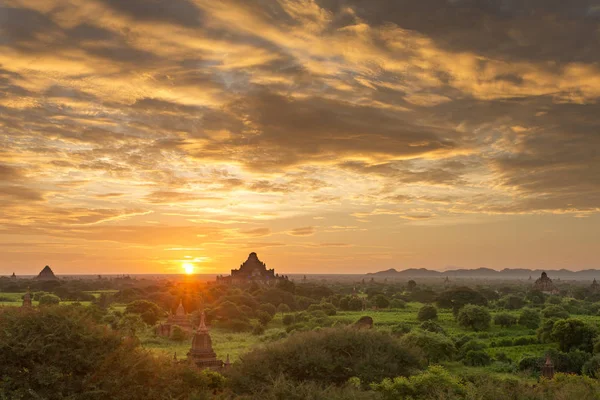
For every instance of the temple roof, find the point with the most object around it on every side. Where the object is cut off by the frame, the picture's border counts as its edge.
(180, 312)
(46, 274)
(253, 263)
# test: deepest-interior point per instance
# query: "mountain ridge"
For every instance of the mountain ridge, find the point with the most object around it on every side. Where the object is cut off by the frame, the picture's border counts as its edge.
(506, 273)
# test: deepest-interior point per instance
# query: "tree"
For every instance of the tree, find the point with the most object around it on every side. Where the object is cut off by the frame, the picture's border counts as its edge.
(355, 304)
(411, 285)
(505, 320)
(427, 312)
(381, 301)
(592, 367)
(131, 324)
(512, 302)
(269, 308)
(456, 298)
(555, 312)
(435, 346)
(475, 317)
(477, 358)
(49, 300)
(529, 318)
(432, 327)
(397, 303)
(263, 317)
(574, 333)
(283, 308)
(328, 356)
(178, 334)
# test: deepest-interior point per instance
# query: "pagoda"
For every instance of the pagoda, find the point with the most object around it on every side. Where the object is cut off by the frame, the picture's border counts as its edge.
(545, 285)
(27, 300)
(595, 286)
(13, 277)
(46, 275)
(202, 354)
(252, 270)
(180, 318)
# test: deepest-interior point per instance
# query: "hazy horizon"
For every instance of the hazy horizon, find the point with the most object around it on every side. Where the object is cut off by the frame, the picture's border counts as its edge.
(346, 136)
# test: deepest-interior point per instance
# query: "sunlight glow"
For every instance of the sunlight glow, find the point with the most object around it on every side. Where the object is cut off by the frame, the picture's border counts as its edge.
(188, 268)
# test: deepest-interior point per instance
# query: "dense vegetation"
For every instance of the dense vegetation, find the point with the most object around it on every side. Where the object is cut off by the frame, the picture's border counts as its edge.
(95, 339)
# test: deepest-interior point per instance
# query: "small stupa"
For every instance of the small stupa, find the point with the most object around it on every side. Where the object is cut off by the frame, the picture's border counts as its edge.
(27, 300)
(595, 286)
(46, 275)
(13, 277)
(202, 354)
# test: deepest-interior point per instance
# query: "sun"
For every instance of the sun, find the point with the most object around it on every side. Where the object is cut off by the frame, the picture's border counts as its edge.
(188, 268)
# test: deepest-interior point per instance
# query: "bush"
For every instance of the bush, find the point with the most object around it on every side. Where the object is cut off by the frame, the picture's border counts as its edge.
(477, 358)
(476, 317)
(58, 353)
(555, 312)
(427, 312)
(435, 383)
(329, 356)
(592, 367)
(432, 327)
(178, 334)
(268, 308)
(505, 320)
(381, 301)
(401, 329)
(435, 346)
(264, 317)
(288, 319)
(574, 333)
(397, 303)
(529, 318)
(49, 300)
(235, 325)
(258, 329)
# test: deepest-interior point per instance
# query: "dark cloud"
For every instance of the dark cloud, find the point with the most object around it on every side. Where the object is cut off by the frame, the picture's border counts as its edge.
(181, 12)
(304, 231)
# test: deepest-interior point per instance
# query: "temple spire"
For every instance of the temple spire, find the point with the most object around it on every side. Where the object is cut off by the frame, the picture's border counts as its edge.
(202, 326)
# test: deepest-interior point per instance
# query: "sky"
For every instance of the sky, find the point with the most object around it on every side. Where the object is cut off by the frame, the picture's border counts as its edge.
(328, 136)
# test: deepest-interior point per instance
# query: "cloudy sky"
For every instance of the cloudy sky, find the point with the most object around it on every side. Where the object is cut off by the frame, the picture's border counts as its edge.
(329, 136)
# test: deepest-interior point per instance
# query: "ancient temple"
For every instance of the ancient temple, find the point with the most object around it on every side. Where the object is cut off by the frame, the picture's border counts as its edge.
(545, 285)
(46, 275)
(13, 277)
(252, 270)
(27, 300)
(595, 286)
(180, 319)
(202, 354)
(548, 369)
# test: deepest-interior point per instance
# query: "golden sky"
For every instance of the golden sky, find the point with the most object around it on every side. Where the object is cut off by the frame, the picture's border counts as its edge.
(329, 136)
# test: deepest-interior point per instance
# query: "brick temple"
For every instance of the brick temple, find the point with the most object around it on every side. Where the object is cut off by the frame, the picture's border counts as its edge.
(252, 270)
(202, 354)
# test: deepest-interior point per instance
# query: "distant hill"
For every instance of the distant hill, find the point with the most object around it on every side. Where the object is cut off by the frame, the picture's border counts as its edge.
(487, 273)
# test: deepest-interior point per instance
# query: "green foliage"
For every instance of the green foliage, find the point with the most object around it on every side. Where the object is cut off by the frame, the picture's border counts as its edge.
(477, 358)
(149, 311)
(505, 320)
(529, 318)
(457, 298)
(475, 317)
(401, 329)
(427, 312)
(258, 329)
(555, 312)
(434, 383)
(436, 347)
(592, 367)
(131, 324)
(178, 334)
(397, 303)
(263, 317)
(283, 308)
(381, 301)
(574, 333)
(288, 319)
(61, 353)
(432, 327)
(282, 388)
(512, 302)
(268, 308)
(49, 300)
(329, 356)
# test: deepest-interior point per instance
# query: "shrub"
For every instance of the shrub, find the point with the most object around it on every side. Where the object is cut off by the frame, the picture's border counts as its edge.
(49, 300)
(268, 308)
(529, 318)
(178, 334)
(435, 383)
(574, 333)
(258, 329)
(329, 356)
(432, 327)
(555, 312)
(283, 308)
(288, 319)
(592, 367)
(397, 303)
(505, 320)
(401, 329)
(474, 317)
(381, 301)
(435, 346)
(264, 317)
(235, 325)
(477, 358)
(427, 312)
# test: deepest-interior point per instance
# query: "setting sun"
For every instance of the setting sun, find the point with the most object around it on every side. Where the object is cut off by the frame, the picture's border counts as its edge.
(188, 268)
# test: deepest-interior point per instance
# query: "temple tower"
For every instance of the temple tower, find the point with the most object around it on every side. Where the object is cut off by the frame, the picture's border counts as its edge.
(202, 353)
(27, 299)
